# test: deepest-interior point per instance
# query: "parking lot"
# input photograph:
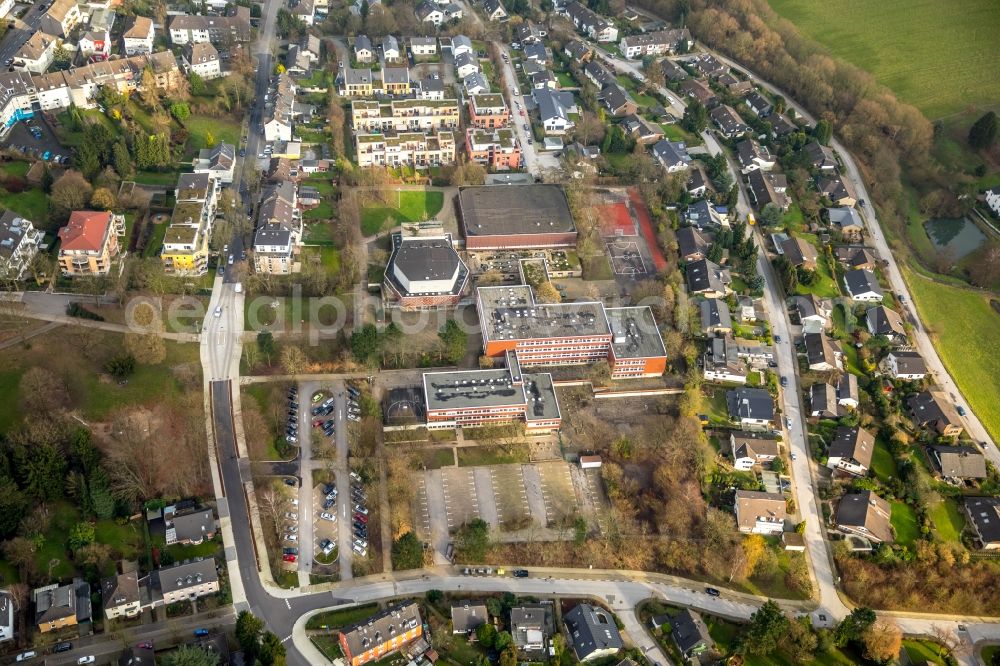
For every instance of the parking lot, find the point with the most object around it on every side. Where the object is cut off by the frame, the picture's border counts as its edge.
(458, 487)
(324, 531)
(20, 140)
(558, 492)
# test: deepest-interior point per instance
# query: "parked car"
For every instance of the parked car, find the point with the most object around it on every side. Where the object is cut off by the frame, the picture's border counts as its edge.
(291, 537)
(363, 518)
(289, 558)
(328, 503)
(784, 382)
(328, 516)
(360, 508)
(63, 647)
(520, 573)
(290, 551)
(961, 410)
(25, 656)
(291, 482)
(201, 632)
(89, 659)
(712, 592)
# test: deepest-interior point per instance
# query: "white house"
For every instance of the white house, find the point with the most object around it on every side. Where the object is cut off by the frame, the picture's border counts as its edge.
(428, 12)
(905, 365)
(423, 46)
(95, 43)
(722, 363)
(754, 156)
(363, 51)
(672, 155)
(138, 37)
(466, 64)
(749, 450)
(461, 44)
(494, 10)
(19, 242)
(760, 513)
(554, 108)
(993, 199)
(277, 129)
(5, 7)
(217, 162)
(390, 49)
(851, 451)
(862, 285)
(203, 60)
(36, 54)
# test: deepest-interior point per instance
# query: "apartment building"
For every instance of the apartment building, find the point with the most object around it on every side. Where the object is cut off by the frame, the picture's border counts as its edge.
(19, 241)
(417, 149)
(405, 115)
(279, 230)
(382, 633)
(184, 581)
(496, 149)
(36, 54)
(202, 58)
(138, 36)
(591, 24)
(488, 111)
(60, 18)
(185, 243)
(89, 242)
(660, 42)
(220, 30)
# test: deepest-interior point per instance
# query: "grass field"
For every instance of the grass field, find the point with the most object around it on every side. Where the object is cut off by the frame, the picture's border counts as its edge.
(32, 203)
(904, 522)
(470, 456)
(883, 463)
(920, 652)
(947, 519)
(963, 327)
(940, 58)
(222, 130)
(342, 617)
(414, 206)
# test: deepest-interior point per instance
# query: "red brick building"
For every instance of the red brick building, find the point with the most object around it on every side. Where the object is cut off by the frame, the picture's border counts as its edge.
(497, 150)
(382, 633)
(516, 216)
(424, 272)
(488, 111)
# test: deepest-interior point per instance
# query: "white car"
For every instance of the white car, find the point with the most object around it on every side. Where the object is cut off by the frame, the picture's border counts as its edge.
(360, 550)
(788, 421)
(291, 537)
(329, 547)
(218, 311)
(326, 515)
(25, 656)
(360, 508)
(89, 659)
(230, 260)
(291, 516)
(292, 528)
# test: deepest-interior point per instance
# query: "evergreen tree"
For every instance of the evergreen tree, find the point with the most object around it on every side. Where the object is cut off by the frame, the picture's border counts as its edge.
(983, 132)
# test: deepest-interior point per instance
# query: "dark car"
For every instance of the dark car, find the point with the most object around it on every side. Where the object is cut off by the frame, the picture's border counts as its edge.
(146, 645)
(316, 410)
(63, 647)
(361, 517)
(291, 482)
(520, 573)
(328, 503)
(784, 382)
(243, 152)
(712, 592)
(290, 551)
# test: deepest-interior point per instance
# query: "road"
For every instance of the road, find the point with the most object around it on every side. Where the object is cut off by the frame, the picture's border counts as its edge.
(517, 120)
(892, 272)
(19, 34)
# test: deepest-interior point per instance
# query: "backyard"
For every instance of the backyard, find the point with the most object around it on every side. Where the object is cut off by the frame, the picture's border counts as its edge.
(413, 206)
(904, 523)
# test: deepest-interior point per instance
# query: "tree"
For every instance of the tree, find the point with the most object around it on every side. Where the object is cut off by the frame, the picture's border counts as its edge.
(882, 641)
(102, 199)
(407, 552)
(80, 535)
(13, 505)
(272, 650)
(983, 132)
(771, 215)
(180, 110)
(799, 642)
(197, 84)
(695, 118)
(767, 625)
(293, 360)
(455, 341)
(187, 655)
(146, 348)
(248, 631)
(854, 625)
(364, 343)
(71, 191)
(121, 365)
(472, 540)
(503, 641)
(654, 73)
(547, 293)
(42, 391)
(822, 132)
(265, 343)
(486, 635)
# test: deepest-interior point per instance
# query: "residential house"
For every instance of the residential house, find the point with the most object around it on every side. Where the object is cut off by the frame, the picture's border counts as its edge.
(589, 23)
(475, 84)
(578, 51)
(847, 391)
(671, 155)
(708, 66)
(707, 278)
(691, 245)
(496, 149)
(404, 115)
(758, 104)
(822, 158)
(759, 512)
(355, 82)
(19, 241)
(823, 401)
(432, 87)
(279, 230)
(865, 514)
(303, 10)
(544, 79)
(466, 64)
(220, 30)
(672, 71)
(822, 354)
(598, 74)
(906, 365)
(386, 631)
(799, 253)
(851, 451)
(391, 52)
(363, 49)
(428, 12)
(138, 36)
(758, 354)
(120, 594)
(494, 10)
(660, 42)
(837, 190)
(423, 46)
(468, 615)
(617, 100)
(984, 519)
(767, 188)
(752, 408)
(36, 54)
(89, 242)
(488, 111)
(862, 285)
(690, 633)
(202, 59)
(752, 156)
(7, 615)
(554, 109)
(642, 130)
(189, 527)
(395, 81)
(184, 581)
(930, 409)
(530, 32)
(847, 221)
(747, 309)
(6, 6)
(856, 257)
(60, 18)
(721, 363)
(531, 625)
(886, 323)
(698, 90)
(958, 464)
(750, 450)
(217, 162)
(60, 606)
(728, 121)
(697, 184)
(461, 44)
(592, 631)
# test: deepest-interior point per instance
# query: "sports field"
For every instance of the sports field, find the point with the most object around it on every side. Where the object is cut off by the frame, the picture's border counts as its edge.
(939, 56)
(963, 327)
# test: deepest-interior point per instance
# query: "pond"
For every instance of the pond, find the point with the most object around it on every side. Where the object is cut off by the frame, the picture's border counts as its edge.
(958, 235)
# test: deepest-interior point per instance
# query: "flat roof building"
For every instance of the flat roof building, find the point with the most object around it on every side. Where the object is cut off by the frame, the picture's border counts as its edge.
(516, 216)
(425, 272)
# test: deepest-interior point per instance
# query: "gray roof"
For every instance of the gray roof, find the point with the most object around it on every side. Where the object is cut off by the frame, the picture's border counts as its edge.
(362, 42)
(748, 150)
(883, 321)
(855, 444)
(491, 388)
(190, 527)
(823, 399)
(715, 314)
(819, 349)
(984, 512)
(120, 590)
(721, 356)
(468, 615)
(847, 388)
(396, 619)
(511, 313)
(865, 510)
(357, 76)
(615, 97)
(690, 242)
(861, 281)
(13, 227)
(750, 403)
(184, 575)
(822, 157)
(536, 51)
(758, 103)
(909, 363)
(474, 81)
(634, 333)
(55, 602)
(835, 187)
(704, 275)
(422, 258)
(515, 209)
(728, 120)
(553, 103)
(671, 153)
(845, 217)
(752, 445)
(960, 462)
(931, 407)
(466, 59)
(395, 75)
(530, 617)
(799, 252)
(689, 631)
(592, 629)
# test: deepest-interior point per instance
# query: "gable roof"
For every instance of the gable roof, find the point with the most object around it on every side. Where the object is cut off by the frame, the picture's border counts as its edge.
(909, 362)
(592, 629)
(819, 349)
(823, 399)
(984, 512)
(867, 512)
(466, 616)
(139, 27)
(689, 631)
(960, 462)
(845, 217)
(847, 389)
(883, 321)
(821, 157)
(855, 444)
(931, 407)
(705, 275)
(615, 97)
(671, 153)
(754, 504)
(750, 403)
(749, 445)
(799, 252)
(120, 590)
(715, 314)
(862, 281)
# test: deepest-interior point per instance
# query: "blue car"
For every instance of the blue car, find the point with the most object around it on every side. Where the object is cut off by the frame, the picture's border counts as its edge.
(201, 632)
(46, 155)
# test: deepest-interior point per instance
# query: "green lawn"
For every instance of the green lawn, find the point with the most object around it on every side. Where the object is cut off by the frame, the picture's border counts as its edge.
(156, 240)
(940, 58)
(725, 633)
(341, 617)
(596, 268)
(318, 234)
(989, 652)
(436, 458)
(164, 178)
(963, 327)
(222, 129)
(328, 645)
(922, 651)
(883, 464)
(470, 456)
(53, 557)
(948, 520)
(565, 80)
(414, 206)
(32, 203)
(324, 211)
(904, 522)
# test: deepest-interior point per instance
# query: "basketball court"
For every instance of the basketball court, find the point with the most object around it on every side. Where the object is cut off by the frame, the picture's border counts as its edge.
(626, 259)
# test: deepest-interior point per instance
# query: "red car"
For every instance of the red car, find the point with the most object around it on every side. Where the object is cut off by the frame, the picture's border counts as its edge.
(289, 558)
(145, 646)
(523, 114)
(363, 518)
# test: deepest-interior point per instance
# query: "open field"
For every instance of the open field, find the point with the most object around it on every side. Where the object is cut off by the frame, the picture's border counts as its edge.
(963, 327)
(940, 58)
(414, 206)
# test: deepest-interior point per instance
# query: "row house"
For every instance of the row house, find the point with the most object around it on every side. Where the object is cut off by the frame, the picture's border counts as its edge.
(417, 149)
(661, 42)
(220, 30)
(406, 115)
(279, 230)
